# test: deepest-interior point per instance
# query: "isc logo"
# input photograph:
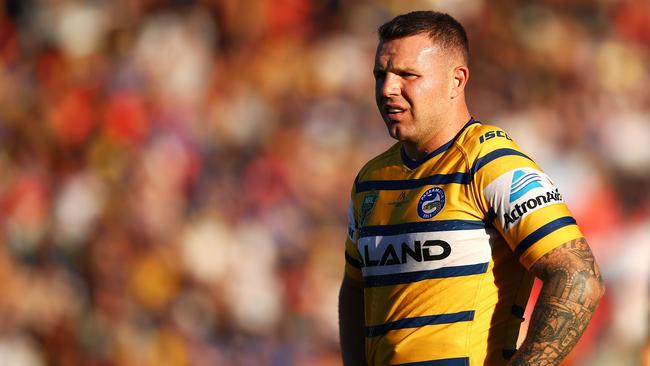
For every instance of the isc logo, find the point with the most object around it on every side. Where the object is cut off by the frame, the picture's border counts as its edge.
(492, 134)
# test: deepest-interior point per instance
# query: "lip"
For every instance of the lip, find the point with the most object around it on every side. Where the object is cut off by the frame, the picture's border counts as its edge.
(394, 111)
(395, 115)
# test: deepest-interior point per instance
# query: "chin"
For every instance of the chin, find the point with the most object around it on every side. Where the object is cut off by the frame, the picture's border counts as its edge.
(393, 132)
(397, 132)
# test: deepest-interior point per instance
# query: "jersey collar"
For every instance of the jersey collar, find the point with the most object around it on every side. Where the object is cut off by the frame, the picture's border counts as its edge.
(413, 164)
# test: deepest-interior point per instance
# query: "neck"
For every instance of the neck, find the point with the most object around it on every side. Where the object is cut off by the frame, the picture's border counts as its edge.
(447, 131)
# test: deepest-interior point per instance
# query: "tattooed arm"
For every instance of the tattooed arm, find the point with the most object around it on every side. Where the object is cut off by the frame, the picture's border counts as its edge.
(571, 290)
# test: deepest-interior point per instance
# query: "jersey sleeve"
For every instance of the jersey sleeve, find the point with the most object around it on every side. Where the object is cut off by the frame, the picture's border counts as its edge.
(353, 261)
(522, 202)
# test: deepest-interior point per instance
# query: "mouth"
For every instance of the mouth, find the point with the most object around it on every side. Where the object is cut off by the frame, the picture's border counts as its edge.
(393, 112)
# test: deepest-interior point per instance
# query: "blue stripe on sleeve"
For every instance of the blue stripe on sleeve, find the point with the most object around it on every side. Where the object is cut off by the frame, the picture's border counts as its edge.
(459, 361)
(409, 277)
(420, 321)
(420, 227)
(487, 158)
(353, 262)
(533, 237)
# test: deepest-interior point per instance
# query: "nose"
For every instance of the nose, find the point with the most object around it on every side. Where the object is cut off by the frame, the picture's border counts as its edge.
(390, 86)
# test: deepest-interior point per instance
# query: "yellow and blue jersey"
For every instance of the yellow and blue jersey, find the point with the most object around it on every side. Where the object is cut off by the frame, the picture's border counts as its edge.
(442, 248)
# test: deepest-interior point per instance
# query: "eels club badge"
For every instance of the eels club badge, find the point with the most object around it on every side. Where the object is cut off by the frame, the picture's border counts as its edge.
(431, 203)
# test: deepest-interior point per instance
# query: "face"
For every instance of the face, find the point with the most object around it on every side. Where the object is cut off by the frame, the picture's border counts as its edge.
(413, 83)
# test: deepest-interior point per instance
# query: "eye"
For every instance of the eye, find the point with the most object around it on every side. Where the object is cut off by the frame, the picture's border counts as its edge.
(408, 75)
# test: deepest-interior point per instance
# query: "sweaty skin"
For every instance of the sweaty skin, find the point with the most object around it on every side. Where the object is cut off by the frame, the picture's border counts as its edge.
(416, 90)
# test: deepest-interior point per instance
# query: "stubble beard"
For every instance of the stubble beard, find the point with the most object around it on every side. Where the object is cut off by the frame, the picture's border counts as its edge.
(404, 131)
(397, 131)
(413, 134)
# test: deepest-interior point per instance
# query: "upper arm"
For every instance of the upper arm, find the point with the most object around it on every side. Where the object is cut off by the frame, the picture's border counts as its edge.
(570, 270)
(523, 202)
(353, 260)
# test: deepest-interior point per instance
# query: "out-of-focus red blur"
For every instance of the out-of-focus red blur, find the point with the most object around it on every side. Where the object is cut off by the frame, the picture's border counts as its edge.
(174, 175)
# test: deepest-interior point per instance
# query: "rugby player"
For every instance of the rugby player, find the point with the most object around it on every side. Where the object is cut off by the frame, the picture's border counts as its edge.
(449, 226)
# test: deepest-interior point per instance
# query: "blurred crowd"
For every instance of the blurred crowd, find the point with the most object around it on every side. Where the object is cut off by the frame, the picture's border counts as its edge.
(174, 174)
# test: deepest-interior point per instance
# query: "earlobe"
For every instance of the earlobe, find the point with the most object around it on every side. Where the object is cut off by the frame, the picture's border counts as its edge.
(456, 88)
(460, 79)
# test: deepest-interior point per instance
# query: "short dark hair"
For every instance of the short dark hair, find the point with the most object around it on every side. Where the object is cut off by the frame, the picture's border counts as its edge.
(442, 28)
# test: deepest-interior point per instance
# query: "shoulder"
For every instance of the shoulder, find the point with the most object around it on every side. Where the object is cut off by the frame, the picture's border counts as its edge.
(481, 138)
(484, 143)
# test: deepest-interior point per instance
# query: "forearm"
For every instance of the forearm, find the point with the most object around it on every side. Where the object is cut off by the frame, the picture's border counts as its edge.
(569, 296)
(352, 325)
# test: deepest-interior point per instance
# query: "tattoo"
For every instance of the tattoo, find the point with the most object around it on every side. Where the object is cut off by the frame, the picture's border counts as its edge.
(571, 291)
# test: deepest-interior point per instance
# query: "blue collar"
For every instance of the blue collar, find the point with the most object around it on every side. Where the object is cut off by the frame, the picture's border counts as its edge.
(413, 164)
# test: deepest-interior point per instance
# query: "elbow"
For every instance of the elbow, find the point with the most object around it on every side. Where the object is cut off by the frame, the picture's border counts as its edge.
(599, 283)
(582, 288)
(595, 289)
(601, 288)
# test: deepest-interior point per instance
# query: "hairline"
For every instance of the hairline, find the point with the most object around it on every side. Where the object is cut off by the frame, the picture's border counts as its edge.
(455, 51)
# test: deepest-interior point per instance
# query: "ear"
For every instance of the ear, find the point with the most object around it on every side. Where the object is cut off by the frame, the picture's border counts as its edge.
(459, 80)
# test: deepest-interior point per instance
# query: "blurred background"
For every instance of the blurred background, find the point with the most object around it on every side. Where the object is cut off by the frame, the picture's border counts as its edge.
(174, 175)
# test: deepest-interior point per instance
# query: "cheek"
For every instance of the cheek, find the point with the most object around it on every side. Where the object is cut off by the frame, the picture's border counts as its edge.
(430, 92)
(423, 94)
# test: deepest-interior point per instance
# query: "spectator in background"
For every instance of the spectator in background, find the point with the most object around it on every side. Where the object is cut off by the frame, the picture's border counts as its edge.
(158, 158)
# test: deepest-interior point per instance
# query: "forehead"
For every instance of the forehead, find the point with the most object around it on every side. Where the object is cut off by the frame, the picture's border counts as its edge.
(410, 50)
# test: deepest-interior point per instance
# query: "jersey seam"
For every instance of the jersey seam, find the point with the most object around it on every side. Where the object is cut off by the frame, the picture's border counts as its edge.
(465, 155)
(472, 185)
(386, 155)
(481, 282)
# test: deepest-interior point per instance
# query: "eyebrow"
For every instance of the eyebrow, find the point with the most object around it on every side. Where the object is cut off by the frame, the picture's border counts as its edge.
(395, 69)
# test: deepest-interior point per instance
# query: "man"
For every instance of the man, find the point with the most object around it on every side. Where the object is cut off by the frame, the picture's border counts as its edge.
(449, 225)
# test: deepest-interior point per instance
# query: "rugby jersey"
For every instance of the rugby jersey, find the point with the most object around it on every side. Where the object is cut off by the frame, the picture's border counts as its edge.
(442, 247)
